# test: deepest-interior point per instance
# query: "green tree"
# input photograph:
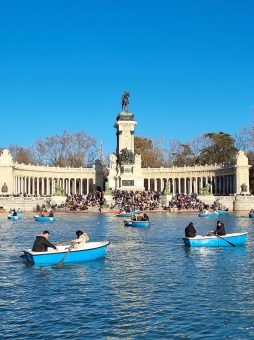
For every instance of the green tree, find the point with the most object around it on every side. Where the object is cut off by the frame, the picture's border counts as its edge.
(222, 149)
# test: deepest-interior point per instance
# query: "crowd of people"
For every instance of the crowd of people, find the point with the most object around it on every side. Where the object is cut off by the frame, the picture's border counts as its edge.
(138, 200)
(182, 202)
(81, 202)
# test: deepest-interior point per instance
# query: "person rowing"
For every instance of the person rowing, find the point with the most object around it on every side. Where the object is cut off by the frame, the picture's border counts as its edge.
(133, 217)
(41, 243)
(220, 230)
(145, 217)
(51, 214)
(190, 231)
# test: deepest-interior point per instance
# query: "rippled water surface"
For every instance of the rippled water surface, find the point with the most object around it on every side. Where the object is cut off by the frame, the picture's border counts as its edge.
(149, 285)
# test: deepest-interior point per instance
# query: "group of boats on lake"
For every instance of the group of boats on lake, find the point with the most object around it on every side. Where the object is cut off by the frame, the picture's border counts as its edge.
(16, 215)
(95, 250)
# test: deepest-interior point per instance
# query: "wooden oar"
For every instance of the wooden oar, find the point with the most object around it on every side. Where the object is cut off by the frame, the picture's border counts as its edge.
(232, 244)
(62, 243)
(58, 265)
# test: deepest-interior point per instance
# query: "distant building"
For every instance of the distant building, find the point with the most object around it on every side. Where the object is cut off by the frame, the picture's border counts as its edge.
(124, 173)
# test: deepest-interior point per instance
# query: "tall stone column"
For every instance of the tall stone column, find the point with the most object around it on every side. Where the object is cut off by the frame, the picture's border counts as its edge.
(69, 186)
(29, 186)
(155, 184)
(37, 185)
(48, 189)
(75, 186)
(15, 185)
(87, 186)
(215, 184)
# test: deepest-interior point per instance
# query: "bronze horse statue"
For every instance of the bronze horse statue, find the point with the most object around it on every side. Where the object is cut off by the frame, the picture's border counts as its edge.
(125, 101)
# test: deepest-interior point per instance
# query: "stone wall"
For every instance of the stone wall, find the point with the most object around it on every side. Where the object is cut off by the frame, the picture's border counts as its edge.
(24, 203)
(243, 203)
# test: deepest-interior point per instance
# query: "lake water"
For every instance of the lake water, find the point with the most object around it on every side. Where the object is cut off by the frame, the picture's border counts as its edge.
(149, 286)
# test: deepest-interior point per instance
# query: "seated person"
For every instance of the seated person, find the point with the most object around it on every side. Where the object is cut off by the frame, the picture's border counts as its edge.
(133, 217)
(14, 213)
(140, 217)
(41, 242)
(82, 238)
(42, 214)
(220, 230)
(190, 231)
(51, 214)
(252, 211)
(145, 217)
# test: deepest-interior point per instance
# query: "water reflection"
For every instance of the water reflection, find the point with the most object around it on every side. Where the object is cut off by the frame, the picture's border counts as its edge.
(141, 289)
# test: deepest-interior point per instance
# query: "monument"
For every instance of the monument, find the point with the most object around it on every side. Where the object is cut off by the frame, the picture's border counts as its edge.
(125, 166)
(58, 196)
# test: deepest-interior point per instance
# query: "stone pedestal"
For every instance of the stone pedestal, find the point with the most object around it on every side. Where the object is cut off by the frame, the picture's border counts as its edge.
(58, 199)
(207, 199)
(165, 199)
(108, 197)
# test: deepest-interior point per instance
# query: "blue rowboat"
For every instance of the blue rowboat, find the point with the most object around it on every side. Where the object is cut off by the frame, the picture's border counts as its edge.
(238, 239)
(123, 215)
(128, 214)
(251, 215)
(208, 215)
(14, 218)
(44, 219)
(92, 251)
(222, 212)
(136, 223)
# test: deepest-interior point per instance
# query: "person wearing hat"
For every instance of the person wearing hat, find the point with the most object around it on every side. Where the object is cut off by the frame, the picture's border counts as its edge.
(82, 238)
(190, 231)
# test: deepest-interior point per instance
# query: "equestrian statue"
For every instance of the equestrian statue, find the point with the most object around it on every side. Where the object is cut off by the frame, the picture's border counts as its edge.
(125, 101)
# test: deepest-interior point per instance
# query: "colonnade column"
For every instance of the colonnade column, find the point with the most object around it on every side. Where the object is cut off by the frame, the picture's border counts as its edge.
(173, 186)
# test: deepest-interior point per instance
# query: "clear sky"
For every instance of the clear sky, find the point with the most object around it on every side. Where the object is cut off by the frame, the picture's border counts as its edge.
(188, 64)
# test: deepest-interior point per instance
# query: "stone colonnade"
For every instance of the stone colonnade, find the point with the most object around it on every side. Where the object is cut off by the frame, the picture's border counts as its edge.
(43, 180)
(218, 185)
(33, 185)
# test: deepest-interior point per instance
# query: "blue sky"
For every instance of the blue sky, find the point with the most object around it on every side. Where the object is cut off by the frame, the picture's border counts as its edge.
(189, 66)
